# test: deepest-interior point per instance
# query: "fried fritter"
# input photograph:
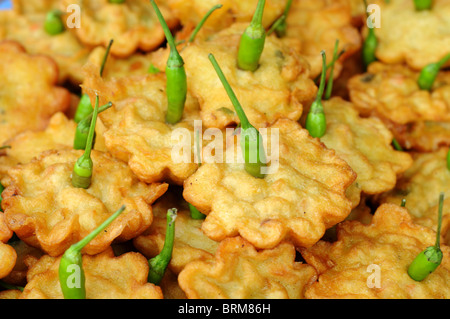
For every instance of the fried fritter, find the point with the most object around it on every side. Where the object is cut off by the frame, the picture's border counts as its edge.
(371, 261)
(107, 277)
(315, 25)
(414, 37)
(132, 24)
(25, 24)
(240, 271)
(427, 177)
(8, 255)
(136, 129)
(24, 106)
(299, 199)
(278, 89)
(45, 211)
(191, 12)
(366, 145)
(190, 242)
(392, 92)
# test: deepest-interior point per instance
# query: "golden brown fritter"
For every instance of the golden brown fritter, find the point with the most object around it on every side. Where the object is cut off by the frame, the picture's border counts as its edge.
(416, 38)
(24, 106)
(45, 211)
(277, 89)
(420, 187)
(25, 24)
(366, 145)
(371, 261)
(240, 271)
(132, 24)
(190, 242)
(299, 199)
(315, 25)
(392, 92)
(107, 277)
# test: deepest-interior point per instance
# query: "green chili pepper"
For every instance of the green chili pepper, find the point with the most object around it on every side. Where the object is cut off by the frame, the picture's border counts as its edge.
(176, 83)
(158, 264)
(82, 171)
(316, 122)
(84, 108)
(448, 160)
(82, 131)
(71, 274)
(397, 145)
(369, 47)
(329, 89)
(429, 73)
(195, 213)
(251, 139)
(9, 286)
(53, 23)
(280, 26)
(429, 259)
(403, 204)
(252, 42)
(423, 4)
(202, 22)
(116, 1)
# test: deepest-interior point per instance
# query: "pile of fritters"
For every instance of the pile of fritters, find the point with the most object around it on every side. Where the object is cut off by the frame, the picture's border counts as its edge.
(326, 222)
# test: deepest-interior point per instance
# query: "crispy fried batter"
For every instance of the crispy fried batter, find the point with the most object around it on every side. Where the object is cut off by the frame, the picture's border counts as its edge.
(416, 38)
(240, 271)
(107, 277)
(191, 12)
(392, 92)
(8, 259)
(25, 24)
(136, 130)
(299, 200)
(190, 242)
(366, 145)
(24, 106)
(315, 25)
(348, 268)
(276, 90)
(46, 211)
(420, 186)
(132, 24)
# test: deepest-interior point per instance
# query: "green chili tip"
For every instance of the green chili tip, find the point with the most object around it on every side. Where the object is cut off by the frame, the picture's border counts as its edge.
(251, 140)
(280, 25)
(423, 4)
(71, 273)
(316, 123)
(252, 41)
(83, 168)
(430, 72)
(53, 23)
(158, 264)
(428, 260)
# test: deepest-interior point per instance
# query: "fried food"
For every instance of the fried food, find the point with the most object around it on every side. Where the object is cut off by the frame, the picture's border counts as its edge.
(371, 261)
(8, 255)
(25, 24)
(416, 38)
(45, 211)
(278, 89)
(240, 271)
(315, 25)
(132, 24)
(107, 277)
(420, 187)
(25, 106)
(136, 131)
(392, 92)
(366, 145)
(191, 12)
(190, 242)
(299, 199)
